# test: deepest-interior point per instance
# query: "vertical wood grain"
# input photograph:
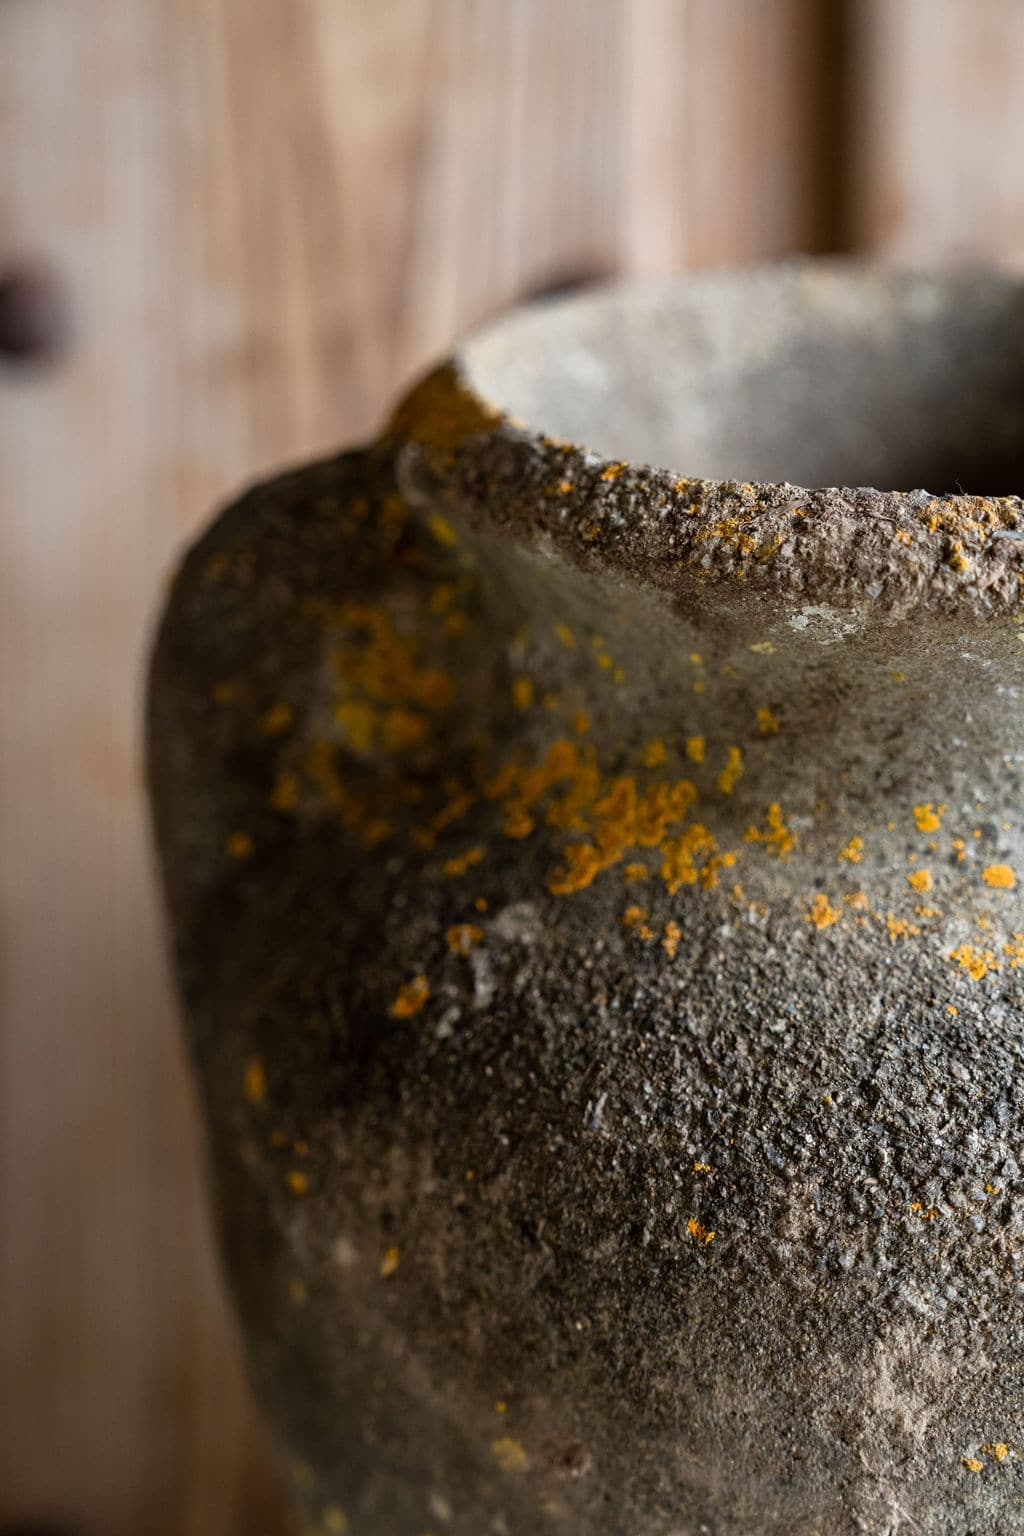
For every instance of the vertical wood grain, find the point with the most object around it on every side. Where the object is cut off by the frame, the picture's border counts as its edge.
(269, 213)
(939, 110)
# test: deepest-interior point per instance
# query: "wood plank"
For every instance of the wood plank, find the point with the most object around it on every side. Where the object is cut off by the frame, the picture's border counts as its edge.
(269, 215)
(940, 114)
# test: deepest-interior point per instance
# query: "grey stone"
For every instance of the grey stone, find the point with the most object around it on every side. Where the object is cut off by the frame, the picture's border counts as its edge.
(597, 908)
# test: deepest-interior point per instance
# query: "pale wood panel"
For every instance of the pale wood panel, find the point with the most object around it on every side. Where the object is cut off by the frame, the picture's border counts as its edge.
(269, 212)
(939, 138)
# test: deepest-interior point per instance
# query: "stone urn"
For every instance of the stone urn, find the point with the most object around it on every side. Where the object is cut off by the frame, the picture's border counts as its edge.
(596, 893)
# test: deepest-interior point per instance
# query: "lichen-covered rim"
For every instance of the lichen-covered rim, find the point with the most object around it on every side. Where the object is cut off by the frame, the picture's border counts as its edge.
(948, 370)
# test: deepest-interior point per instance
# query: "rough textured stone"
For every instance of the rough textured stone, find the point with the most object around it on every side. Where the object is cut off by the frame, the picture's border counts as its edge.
(596, 899)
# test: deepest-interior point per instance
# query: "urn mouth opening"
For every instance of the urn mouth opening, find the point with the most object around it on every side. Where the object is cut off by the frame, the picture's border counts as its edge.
(811, 373)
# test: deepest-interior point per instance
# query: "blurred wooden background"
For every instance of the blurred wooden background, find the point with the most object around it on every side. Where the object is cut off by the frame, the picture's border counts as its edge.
(268, 214)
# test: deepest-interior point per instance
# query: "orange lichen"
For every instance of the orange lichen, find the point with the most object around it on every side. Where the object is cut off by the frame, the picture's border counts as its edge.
(920, 880)
(389, 1263)
(461, 862)
(699, 1233)
(822, 913)
(975, 962)
(926, 816)
(254, 1081)
(285, 794)
(853, 853)
(522, 693)
(777, 837)
(702, 1167)
(670, 942)
(1014, 950)
(411, 998)
(695, 748)
(276, 719)
(654, 753)
(972, 1463)
(767, 721)
(566, 636)
(509, 1454)
(442, 530)
(1000, 877)
(298, 1182)
(684, 855)
(636, 872)
(581, 722)
(997, 1448)
(730, 774)
(900, 928)
(462, 936)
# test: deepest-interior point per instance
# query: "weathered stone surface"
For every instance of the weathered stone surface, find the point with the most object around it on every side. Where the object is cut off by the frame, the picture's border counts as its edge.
(596, 898)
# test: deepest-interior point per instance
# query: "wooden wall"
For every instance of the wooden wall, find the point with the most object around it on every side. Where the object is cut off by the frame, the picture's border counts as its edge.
(267, 214)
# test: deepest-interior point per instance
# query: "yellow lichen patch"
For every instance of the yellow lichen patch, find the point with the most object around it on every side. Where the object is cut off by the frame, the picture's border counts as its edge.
(684, 855)
(853, 853)
(239, 845)
(695, 747)
(822, 913)
(702, 1167)
(1000, 877)
(582, 864)
(976, 963)
(997, 1448)
(960, 849)
(926, 816)
(298, 1182)
(776, 837)
(389, 1263)
(566, 636)
(411, 998)
(730, 774)
(972, 1463)
(461, 862)
(285, 794)
(700, 1234)
(634, 916)
(670, 942)
(920, 880)
(442, 413)
(900, 928)
(462, 936)
(636, 872)
(402, 729)
(767, 721)
(613, 471)
(509, 1454)
(709, 874)
(276, 719)
(335, 1521)
(254, 1081)
(442, 530)
(654, 753)
(357, 720)
(581, 722)
(522, 693)
(1014, 951)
